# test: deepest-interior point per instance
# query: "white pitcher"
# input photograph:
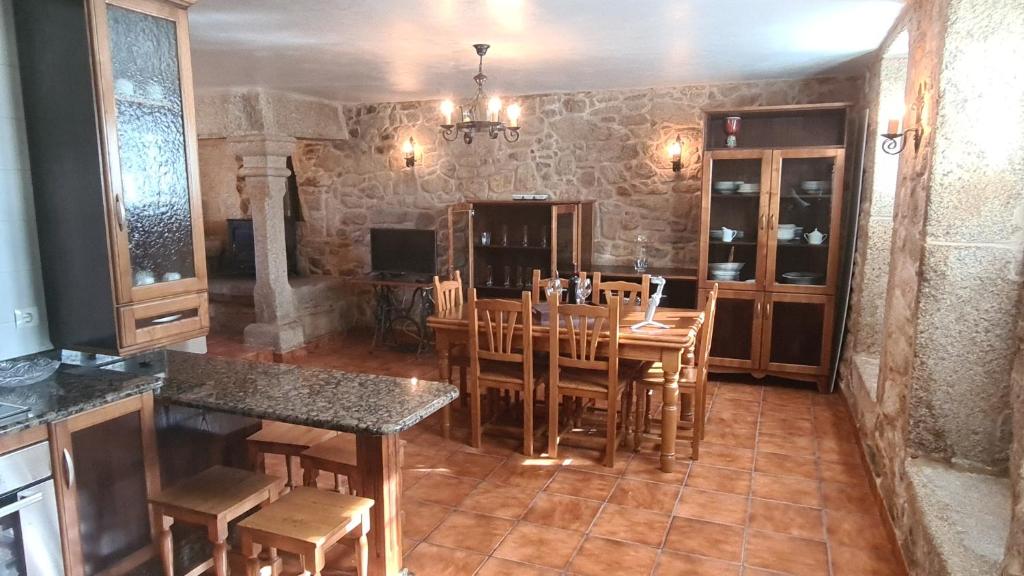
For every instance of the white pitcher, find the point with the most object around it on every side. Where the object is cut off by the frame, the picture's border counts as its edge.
(728, 234)
(815, 237)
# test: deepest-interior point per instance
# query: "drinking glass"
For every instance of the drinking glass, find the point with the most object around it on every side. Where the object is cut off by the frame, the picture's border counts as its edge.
(583, 290)
(485, 238)
(504, 235)
(526, 233)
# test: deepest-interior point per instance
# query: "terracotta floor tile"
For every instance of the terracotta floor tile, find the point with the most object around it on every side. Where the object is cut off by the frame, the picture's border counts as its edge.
(721, 541)
(726, 405)
(469, 465)
(751, 571)
(835, 451)
(848, 497)
(592, 461)
(582, 484)
(726, 456)
(409, 478)
(604, 557)
(428, 558)
(631, 524)
(531, 473)
(783, 427)
(788, 396)
(786, 554)
(421, 517)
(539, 545)
(644, 468)
(713, 506)
(844, 473)
(732, 436)
(647, 495)
(865, 561)
(719, 479)
(785, 412)
(565, 512)
(442, 489)
(740, 392)
(786, 444)
(786, 465)
(499, 500)
(673, 564)
(785, 518)
(502, 567)
(856, 530)
(739, 419)
(485, 531)
(787, 489)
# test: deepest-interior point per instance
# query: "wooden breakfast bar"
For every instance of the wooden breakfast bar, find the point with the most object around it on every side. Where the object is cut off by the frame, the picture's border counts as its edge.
(674, 347)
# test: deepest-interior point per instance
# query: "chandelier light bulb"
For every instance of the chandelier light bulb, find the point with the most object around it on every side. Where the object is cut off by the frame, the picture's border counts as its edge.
(513, 112)
(447, 108)
(493, 108)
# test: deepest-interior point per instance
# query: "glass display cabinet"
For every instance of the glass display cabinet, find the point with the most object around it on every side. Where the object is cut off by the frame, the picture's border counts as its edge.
(111, 134)
(771, 231)
(497, 244)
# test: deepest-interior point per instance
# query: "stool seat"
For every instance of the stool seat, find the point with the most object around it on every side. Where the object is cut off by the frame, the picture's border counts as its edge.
(211, 499)
(341, 449)
(282, 438)
(307, 522)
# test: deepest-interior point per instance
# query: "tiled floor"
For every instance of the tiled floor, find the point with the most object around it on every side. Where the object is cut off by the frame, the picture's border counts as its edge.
(778, 489)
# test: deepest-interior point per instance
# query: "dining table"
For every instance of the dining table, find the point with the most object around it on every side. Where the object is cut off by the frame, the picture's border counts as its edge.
(673, 346)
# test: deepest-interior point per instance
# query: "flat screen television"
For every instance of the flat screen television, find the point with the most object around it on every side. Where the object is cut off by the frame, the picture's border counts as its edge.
(403, 251)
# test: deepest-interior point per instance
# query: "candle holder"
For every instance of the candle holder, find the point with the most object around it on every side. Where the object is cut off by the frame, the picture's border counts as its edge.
(894, 141)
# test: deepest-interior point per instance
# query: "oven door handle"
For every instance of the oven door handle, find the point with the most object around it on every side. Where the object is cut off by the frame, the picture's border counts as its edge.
(25, 502)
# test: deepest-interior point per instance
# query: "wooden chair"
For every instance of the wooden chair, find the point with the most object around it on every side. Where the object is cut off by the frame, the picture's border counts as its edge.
(653, 380)
(288, 440)
(577, 369)
(538, 285)
(448, 295)
(211, 499)
(501, 357)
(307, 522)
(631, 293)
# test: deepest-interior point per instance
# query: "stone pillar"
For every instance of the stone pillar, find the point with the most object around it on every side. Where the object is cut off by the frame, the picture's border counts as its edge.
(264, 169)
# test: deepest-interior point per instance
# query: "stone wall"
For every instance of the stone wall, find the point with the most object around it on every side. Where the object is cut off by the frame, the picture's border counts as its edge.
(609, 146)
(222, 189)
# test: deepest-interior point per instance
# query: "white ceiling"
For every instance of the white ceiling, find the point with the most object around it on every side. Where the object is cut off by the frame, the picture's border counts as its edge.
(390, 50)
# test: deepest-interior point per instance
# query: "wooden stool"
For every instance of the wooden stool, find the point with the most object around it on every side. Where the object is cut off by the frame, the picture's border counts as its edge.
(211, 498)
(337, 456)
(307, 522)
(288, 440)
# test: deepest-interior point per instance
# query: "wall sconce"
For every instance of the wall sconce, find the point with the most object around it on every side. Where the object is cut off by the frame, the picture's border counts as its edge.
(409, 152)
(675, 153)
(894, 141)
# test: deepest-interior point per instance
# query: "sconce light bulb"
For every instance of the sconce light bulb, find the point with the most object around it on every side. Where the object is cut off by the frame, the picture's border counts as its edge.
(675, 149)
(409, 146)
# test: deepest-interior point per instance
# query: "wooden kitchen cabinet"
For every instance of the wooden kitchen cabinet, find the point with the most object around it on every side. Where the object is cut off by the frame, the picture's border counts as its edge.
(112, 144)
(105, 466)
(783, 232)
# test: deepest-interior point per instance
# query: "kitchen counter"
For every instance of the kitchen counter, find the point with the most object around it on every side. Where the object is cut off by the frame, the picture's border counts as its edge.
(70, 390)
(321, 398)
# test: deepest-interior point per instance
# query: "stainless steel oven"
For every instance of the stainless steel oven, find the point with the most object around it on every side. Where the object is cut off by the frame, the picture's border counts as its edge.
(29, 533)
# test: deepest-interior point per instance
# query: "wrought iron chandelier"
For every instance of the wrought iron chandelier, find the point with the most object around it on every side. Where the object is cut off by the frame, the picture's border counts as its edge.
(480, 114)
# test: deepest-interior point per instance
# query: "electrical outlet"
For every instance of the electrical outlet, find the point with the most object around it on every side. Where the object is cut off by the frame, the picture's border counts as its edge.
(25, 317)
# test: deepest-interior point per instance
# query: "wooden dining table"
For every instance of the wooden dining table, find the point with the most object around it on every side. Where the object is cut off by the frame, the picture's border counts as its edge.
(674, 347)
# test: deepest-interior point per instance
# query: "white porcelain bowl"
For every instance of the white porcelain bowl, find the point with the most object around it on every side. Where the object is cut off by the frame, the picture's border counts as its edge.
(726, 266)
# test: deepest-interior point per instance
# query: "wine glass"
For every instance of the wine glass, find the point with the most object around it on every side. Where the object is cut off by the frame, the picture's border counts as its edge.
(583, 290)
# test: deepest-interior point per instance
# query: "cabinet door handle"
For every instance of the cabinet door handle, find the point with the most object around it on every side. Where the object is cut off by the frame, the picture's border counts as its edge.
(757, 309)
(771, 222)
(119, 206)
(762, 220)
(69, 468)
(768, 309)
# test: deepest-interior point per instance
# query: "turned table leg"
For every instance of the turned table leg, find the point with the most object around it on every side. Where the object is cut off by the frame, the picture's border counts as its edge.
(669, 411)
(380, 480)
(444, 366)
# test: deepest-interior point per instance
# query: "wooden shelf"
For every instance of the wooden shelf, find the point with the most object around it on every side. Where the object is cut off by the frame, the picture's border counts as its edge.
(736, 195)
(733, 243)
(512, 247)
(800, 244)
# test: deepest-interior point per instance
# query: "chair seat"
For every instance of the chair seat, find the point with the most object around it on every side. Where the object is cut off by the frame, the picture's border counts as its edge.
(341, 449)
(501, 371)
(308, 515)
(282, 438)
(592, 380)
(219, 490)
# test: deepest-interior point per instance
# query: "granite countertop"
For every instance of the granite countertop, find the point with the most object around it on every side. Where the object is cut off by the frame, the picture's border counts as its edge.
(70, 390)
(321, 398)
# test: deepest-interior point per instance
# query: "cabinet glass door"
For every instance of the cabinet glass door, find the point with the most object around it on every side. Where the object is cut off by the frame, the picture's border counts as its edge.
(798, 332)
(567, 248)
(151, 148)
(804, 226)
(736, 189)
(737, 335)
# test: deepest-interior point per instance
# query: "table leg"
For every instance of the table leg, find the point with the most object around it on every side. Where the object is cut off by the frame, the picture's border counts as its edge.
(669, 410)
(444, 366)
(380, 480)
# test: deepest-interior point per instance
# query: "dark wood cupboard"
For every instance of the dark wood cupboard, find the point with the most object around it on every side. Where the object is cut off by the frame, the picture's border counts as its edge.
(111, 132)
(771, 232)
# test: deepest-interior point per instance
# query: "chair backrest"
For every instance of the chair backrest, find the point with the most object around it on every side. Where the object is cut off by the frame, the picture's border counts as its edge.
(448, 293)
(707, 330)
(630, 293)
(539, 284)
(582, 329)
(500, 330)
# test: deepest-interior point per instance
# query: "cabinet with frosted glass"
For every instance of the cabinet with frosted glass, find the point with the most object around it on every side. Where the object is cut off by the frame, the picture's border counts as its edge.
(111, 135)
